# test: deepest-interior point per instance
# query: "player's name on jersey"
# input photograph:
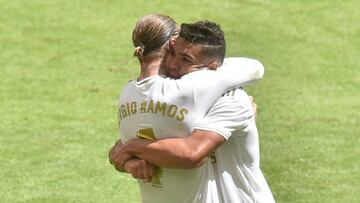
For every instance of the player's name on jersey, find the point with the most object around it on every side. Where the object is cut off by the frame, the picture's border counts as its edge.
(151, 106)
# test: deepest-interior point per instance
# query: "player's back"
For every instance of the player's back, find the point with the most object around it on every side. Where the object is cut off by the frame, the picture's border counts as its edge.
(149, 110)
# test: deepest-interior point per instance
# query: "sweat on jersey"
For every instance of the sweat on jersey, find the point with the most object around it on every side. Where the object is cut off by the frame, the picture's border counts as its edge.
(159, 107)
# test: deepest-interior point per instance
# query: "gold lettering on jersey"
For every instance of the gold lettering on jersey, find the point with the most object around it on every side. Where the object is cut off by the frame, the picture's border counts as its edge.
(133, 107)
(172, 111)
(181, 115)
(126, 110)
(123, 111)
(143, 107)
(160, 107)
(119, 117)
(151, 106)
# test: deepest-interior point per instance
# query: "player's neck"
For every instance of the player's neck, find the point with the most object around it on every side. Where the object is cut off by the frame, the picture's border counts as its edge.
(149, 69)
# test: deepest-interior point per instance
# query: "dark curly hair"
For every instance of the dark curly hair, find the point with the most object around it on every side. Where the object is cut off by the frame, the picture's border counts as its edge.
(208, 34)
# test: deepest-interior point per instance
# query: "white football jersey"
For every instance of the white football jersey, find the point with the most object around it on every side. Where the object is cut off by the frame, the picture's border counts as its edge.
(237, 161)
(159, 107)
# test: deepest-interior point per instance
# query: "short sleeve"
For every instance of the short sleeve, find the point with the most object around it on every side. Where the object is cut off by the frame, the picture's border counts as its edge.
(233, 111)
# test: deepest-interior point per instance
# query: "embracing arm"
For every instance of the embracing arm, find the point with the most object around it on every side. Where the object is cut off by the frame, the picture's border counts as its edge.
(231, 112)
(185, 153)
(228, 114)
(241, 70)
(235, 72)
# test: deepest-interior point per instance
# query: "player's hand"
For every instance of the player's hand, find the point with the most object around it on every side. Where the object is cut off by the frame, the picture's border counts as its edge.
(118, 157)
(113, 151)
(140, 169)
(253, 105)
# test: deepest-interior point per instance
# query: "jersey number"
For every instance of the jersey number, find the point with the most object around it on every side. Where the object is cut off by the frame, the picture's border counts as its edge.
(148, 133)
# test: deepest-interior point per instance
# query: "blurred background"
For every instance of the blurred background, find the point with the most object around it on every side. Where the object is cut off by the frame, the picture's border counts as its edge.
(63, 64)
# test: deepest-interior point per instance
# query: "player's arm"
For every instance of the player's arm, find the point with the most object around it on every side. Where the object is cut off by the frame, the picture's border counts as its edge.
(227, 115)
(241, 70)
(235, 72)
(185, 153)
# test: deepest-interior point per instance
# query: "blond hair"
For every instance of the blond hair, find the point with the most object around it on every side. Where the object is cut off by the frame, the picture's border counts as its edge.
(151, 33)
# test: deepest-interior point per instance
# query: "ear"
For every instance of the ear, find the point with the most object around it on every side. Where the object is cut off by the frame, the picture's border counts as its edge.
(213, 65)
(172, 41)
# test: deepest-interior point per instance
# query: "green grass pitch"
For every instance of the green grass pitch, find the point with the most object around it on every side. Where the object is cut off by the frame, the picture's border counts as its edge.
(63, 64)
